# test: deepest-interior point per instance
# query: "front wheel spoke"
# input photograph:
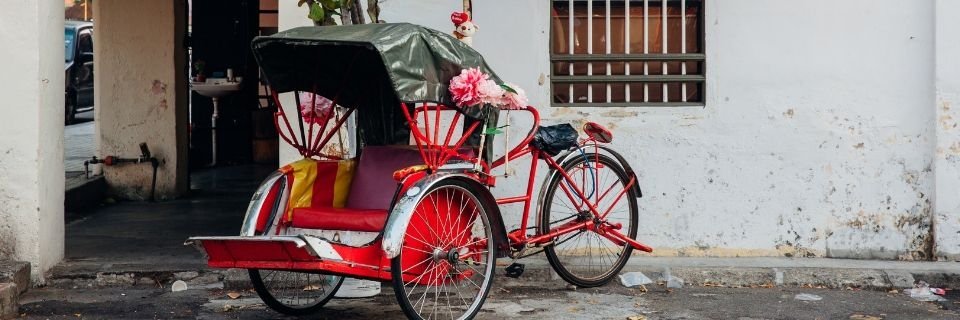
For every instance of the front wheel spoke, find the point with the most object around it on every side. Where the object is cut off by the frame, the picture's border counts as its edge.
(466, 229)
(471, 243)
(415, 265)
(425, 272)
(471, 268)
(417, 250)
(473, 283)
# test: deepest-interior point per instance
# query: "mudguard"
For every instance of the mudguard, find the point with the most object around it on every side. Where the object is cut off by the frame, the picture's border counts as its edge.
(402, 211)
(259, 200)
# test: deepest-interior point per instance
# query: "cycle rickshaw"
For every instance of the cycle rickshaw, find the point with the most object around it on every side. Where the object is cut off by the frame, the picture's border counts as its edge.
(416, 201)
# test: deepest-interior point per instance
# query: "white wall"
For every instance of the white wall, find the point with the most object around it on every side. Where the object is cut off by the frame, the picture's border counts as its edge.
(31, 137)
(818, 137)
(947, 161)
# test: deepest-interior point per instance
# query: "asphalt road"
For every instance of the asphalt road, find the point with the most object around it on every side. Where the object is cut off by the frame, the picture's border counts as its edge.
(508, 300)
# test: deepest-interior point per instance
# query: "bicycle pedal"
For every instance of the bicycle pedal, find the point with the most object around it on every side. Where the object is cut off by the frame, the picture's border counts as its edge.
(514, 270)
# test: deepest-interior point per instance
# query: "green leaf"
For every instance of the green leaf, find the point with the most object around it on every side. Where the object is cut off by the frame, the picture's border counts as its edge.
(330, 4)
(508, 88)
(316, 12)
(493, 131)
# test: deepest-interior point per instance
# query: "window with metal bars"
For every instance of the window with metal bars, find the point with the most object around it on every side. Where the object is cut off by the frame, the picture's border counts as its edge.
(622, 53)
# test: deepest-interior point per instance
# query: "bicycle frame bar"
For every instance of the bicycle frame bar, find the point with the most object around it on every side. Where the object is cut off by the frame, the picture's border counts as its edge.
(519, 237)
(524, 146)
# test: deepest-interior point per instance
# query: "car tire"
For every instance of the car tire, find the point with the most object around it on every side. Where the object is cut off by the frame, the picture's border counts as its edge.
(70, 110)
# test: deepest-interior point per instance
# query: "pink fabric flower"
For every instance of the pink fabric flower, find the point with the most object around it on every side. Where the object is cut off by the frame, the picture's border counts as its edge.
(465, 88)
(315, 108)
(516, 100)
(491, 92)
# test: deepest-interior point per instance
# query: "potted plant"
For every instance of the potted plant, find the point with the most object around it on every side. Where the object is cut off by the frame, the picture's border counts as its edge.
(198, 72)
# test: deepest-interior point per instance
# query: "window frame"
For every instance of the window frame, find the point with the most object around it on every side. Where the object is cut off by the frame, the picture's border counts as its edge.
(602, 78)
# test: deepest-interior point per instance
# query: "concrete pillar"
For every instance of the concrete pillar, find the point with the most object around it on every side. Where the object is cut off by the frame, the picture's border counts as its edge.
(142, 93)
(31, 133)
(947, 161)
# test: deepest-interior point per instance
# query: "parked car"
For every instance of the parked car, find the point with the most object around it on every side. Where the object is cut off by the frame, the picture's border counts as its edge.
(78, 65)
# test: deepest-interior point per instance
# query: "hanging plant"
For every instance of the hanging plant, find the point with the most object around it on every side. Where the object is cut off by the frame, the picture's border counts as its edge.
(322, 12)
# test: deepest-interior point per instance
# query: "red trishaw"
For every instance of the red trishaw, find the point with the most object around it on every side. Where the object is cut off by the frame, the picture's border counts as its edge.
(414, 207)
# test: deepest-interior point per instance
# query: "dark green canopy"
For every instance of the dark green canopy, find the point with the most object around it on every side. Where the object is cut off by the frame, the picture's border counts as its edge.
(371, 66)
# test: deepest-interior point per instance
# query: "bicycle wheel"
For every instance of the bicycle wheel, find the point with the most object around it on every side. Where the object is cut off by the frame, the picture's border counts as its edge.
(583, 257)
(294, 293)
(445, 266)
(291, 292)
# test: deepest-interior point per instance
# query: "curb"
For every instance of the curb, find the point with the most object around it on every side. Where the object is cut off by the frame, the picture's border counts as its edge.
(82, 194)
(872, 279)
(14, 281)
(936, 274)
(16, 272)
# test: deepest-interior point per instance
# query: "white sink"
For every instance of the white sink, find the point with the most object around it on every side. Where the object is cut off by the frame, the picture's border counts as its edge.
(216, 87)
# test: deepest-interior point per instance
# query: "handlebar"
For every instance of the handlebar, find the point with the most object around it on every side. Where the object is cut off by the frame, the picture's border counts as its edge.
(521, 148)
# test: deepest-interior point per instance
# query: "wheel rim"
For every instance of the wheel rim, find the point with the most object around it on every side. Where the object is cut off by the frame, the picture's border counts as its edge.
(446, 260)
(585, 254)
(298, 290)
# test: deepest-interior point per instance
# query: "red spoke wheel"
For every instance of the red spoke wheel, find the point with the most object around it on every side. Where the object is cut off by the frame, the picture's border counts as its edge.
(445, 266)
(585, 257)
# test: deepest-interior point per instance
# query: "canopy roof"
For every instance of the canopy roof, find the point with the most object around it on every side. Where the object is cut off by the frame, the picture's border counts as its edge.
(368, 66)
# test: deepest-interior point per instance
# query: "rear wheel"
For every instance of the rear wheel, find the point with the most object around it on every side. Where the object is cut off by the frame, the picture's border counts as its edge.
(583, 257)
(291, 292)
(445, 266)
(294, 293)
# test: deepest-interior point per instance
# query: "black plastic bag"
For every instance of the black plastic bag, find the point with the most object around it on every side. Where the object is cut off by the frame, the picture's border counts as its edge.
(555, 139)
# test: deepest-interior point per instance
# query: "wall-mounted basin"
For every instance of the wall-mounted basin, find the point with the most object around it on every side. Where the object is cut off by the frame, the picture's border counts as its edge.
(216, 87)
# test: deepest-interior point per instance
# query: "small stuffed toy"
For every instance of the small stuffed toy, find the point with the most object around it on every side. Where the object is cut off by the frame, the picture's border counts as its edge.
(465, 28)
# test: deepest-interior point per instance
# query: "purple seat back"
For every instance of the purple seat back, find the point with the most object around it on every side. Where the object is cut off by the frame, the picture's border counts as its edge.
(373, 185)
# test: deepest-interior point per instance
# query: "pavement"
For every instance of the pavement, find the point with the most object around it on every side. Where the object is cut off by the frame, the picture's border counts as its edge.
(510, 299)
(78, 142)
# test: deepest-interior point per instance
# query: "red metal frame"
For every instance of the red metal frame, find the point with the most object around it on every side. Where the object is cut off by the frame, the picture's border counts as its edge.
(369, 262)
(313, 142)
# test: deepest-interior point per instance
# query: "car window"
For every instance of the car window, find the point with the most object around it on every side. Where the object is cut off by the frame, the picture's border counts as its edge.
(68, 36)
(85, 42)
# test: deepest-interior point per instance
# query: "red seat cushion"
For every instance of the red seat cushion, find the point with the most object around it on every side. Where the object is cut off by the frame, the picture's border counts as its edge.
(329, 218)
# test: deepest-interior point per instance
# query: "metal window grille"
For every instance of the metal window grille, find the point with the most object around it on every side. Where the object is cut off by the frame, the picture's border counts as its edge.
(622, 53)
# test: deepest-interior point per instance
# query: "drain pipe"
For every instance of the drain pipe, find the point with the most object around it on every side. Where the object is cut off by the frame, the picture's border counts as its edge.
(144, 157)
(213, 130)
